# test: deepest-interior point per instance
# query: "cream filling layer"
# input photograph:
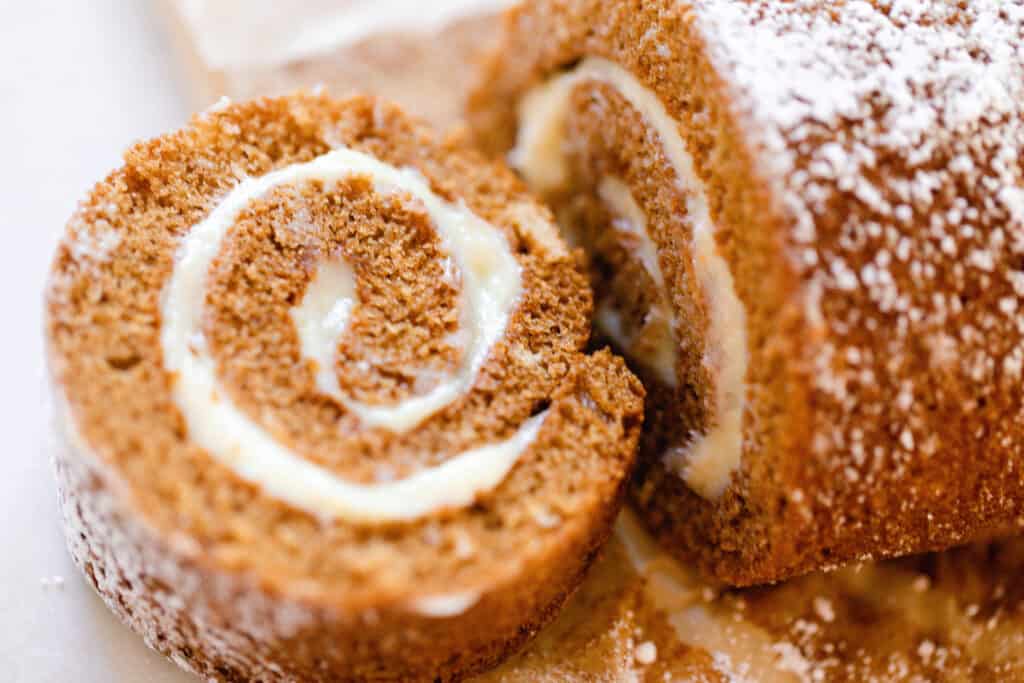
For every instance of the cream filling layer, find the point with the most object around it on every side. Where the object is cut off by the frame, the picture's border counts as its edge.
(491, 283)
(655, 344)
(708, 461)
(322, 317)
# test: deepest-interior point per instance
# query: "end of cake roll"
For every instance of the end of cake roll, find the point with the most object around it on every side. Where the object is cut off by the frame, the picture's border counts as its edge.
(327, 410)
(836, 259)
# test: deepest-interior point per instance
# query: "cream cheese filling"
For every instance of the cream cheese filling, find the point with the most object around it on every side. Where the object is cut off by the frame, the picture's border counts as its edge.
(322, 317)
(708, 461)
(655, 344)
(491, 283)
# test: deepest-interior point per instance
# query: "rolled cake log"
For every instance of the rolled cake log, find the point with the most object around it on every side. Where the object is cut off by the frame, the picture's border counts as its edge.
(805, 224)
(326, 409)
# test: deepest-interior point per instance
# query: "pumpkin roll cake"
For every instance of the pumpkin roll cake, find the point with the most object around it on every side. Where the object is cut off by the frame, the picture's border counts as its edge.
(805, 227)
(326, 411)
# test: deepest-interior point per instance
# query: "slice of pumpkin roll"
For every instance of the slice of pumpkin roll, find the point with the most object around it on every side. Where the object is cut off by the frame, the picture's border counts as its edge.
(805, 224)
(326, 409)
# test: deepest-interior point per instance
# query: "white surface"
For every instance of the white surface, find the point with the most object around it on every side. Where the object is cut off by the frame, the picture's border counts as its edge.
(80, 80)
(224, 42)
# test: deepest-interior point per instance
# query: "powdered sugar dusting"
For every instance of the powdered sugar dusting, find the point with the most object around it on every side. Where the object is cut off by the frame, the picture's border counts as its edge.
(924, 66)
(153, 590)
(793, 661)
(892, 133)
(724, 666)
(94, 243)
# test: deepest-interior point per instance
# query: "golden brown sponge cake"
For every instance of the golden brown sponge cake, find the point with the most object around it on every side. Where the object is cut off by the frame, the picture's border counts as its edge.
(327, 416)
(805, 223)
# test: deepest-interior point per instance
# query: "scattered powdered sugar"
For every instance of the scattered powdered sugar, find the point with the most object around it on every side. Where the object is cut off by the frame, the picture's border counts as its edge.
(931, 67)
(646, 653)
(823, 608)
(464, 546)
(93, 243)
(544, 516)
(124, 559)
(909, 115)
(791, 660)
(732, 673)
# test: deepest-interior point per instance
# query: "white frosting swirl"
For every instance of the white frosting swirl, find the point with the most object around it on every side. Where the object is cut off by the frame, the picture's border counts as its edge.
(491, 282)
(707, 463)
